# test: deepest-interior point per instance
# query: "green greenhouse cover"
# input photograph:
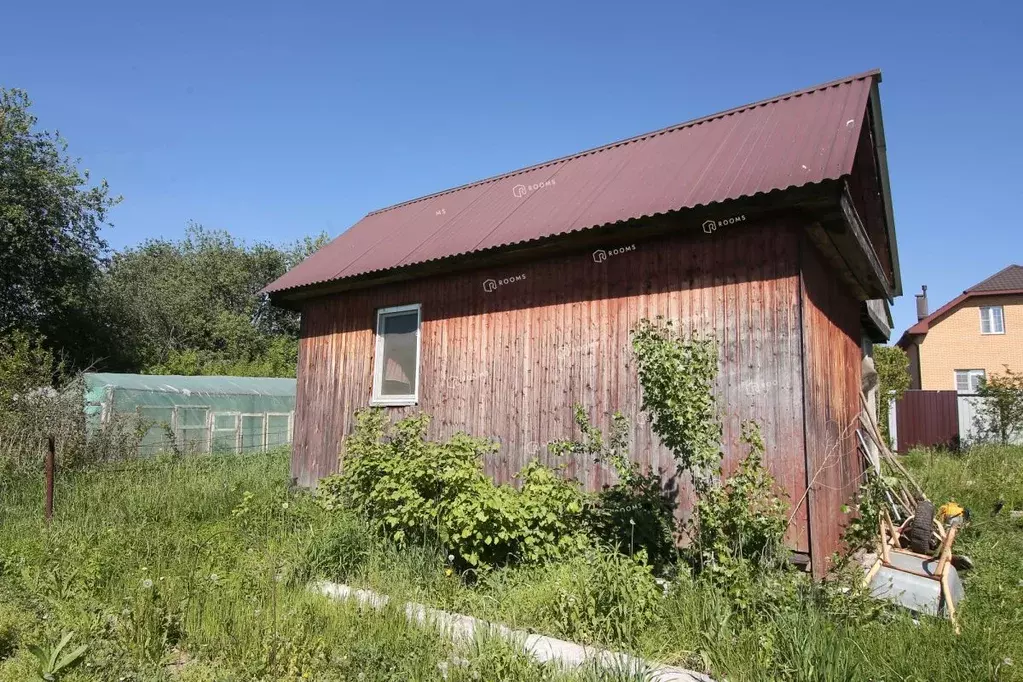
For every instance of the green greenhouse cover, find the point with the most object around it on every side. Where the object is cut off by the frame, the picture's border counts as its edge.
(208, 385)
(195, 413)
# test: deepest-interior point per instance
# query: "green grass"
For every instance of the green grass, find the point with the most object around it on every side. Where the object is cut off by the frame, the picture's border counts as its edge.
(196, 570)
(771, 633)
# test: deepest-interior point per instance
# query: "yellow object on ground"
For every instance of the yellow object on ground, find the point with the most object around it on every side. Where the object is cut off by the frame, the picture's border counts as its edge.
(949, 510)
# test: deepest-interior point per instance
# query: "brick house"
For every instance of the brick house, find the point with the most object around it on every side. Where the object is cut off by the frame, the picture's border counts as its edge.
(977, 334)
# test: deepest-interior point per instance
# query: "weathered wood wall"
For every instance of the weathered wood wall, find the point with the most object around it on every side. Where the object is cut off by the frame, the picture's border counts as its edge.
(511, 363)
(831, 335)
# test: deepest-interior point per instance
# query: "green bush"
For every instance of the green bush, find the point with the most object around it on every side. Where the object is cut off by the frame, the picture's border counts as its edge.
(414, 489)
(735, 521)
(744, 519)
(1000, 414)
(635, 513)
(892, 366)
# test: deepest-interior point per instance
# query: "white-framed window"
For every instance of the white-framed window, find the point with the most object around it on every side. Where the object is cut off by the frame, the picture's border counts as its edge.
(224, 434)
(969, 380)
(192, 427)
(396, 364)
(991, 320)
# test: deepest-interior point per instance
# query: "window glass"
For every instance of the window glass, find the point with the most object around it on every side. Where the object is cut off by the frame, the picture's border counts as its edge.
(192, 428)
(225, 433)
(991, 321)
(397, 351)
(969, 380)
(252, 432)
(278, 430)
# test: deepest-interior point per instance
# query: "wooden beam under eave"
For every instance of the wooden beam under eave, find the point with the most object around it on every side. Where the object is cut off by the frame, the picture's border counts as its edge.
(874, 271)
(841, 237)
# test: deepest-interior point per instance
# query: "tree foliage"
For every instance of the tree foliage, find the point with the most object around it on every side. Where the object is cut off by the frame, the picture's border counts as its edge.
(1000, 412)
(677, 375)
(194, 306)
(185, 307)
(50, 220)
(25, 366)
(738, 522)
(892, 366)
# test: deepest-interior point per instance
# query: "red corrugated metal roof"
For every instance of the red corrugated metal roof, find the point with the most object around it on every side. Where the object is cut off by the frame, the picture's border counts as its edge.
(792, 140)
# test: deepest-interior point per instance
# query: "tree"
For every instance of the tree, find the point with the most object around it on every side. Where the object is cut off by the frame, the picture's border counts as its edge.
(193, 306)
(1000, 410)
(892, 365)
(50, 216)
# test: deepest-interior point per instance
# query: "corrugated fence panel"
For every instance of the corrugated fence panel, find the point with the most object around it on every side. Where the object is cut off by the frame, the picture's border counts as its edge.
(927, 418)
(510, 363)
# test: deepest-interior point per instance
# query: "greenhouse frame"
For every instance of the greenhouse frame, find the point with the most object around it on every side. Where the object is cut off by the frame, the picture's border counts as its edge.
(195, 414)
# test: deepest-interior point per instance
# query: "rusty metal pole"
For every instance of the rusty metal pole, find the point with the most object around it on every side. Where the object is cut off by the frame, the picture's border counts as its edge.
(51, 465)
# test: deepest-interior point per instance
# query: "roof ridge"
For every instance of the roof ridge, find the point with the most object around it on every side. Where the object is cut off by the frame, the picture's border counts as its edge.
(638, 138)
(997, 274)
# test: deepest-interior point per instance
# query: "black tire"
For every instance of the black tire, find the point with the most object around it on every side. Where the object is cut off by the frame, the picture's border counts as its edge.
(921, 528)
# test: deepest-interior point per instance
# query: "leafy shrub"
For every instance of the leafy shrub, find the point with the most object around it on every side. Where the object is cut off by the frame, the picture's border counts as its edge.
(892, 365)
(735, 521)
(743, 519)
(677, 375)
(862, 529)
(1000, 412)
(635, 514)
(414, 489)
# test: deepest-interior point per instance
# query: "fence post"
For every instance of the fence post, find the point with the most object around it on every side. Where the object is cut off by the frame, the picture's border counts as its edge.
(51, 465)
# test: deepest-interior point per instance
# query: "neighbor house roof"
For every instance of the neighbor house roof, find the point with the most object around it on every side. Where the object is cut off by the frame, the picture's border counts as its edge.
(798, 139)
(1007, 281)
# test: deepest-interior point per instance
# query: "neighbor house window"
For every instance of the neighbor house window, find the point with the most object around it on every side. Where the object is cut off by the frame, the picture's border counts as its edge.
(396, 366)
(969, 380)
(991, 320)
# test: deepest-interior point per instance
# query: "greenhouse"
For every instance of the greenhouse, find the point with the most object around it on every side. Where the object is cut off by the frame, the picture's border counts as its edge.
(195, 413)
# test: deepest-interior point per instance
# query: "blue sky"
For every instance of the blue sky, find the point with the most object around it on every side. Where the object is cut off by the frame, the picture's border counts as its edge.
(277, 120)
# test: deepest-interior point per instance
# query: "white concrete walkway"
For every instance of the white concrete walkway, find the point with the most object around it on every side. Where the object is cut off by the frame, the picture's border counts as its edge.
(542, 649)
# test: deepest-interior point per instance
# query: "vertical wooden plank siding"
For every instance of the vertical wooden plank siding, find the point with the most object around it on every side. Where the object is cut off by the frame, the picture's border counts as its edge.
(511, 363)
(832, 365)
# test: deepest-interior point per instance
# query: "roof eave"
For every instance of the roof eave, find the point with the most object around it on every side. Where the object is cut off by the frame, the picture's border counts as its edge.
(757, 207)
(880, 149)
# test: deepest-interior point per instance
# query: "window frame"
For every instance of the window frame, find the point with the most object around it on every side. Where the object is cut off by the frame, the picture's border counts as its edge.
(988, 317)
(970, 373)
(261, 446)
(378, 399)
(236, 430)
(290, 428)
(179, 430)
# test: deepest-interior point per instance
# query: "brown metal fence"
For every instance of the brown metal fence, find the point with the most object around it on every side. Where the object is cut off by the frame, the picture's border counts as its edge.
(927, 418)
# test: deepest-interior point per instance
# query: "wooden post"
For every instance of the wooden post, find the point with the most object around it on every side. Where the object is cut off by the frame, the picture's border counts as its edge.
(51, 465)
